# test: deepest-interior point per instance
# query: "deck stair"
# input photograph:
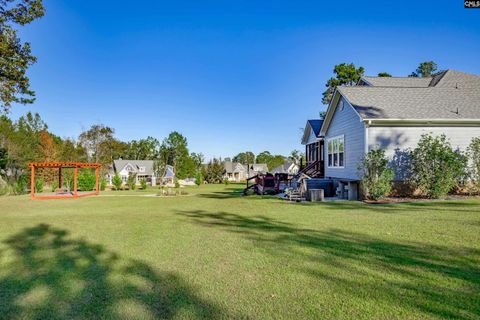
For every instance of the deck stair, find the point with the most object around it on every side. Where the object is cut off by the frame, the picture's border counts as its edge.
(312, 170)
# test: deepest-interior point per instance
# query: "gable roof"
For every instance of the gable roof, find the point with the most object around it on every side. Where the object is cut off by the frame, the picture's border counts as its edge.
(312, 125)
(259, 167)
(316, 124)
(231, 167)
(283, 168)
(451, 97)
(456, 79)
(120, 164)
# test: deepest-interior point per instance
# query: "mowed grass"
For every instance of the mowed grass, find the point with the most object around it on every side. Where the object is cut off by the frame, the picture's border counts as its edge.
(215, 254)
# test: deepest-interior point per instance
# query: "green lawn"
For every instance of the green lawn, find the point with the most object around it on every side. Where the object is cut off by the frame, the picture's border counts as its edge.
(214, 254)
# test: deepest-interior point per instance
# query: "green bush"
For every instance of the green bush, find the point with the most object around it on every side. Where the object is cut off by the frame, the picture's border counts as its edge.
(436, 167)
(474, 158)
(103, 184)
(199, 178)
(377, 177)
(117, 182)
(21, 186)
(143, 184)
(131, 181)
(3, 189)
(226, 182)
(38, 185)
(54, 186)
(86, 181)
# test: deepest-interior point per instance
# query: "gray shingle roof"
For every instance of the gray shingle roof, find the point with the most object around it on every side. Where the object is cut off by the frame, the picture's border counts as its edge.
(413, 98)
(148, 164)
(456, 79)
(283, 168)
(414, 103)
(230, 166)
(398, 82)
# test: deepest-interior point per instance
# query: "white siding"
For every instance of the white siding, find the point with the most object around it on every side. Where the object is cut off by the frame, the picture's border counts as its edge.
(396, 140)
(401, 138)
(312, 138)
(348, 123)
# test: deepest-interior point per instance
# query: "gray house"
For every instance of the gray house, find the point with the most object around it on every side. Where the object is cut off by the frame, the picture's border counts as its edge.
(235, 171)
(288, 167)
(392, 114)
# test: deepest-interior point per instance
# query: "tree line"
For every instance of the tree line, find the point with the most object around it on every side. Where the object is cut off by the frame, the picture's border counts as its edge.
(29, 140)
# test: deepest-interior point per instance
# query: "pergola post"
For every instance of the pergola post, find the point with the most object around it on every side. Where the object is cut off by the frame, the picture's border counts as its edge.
(60, 178)
(97, 173)
(32, 182)
(75, 177)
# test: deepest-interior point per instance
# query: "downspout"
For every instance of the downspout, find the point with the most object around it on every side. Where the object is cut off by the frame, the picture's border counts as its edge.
(367, 125)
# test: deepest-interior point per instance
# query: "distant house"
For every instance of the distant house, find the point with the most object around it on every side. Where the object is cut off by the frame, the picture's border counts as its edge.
(391, 114)
(143, 169)
(235, 171)
(288, 167)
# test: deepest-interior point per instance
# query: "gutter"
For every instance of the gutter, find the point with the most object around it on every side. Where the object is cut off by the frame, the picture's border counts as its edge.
(420, 122)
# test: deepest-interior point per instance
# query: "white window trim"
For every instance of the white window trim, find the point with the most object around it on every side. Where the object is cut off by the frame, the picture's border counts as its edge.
(344, 152)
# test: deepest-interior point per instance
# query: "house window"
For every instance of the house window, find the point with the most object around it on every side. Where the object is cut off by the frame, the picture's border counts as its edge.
(336, 152)
(141, 169)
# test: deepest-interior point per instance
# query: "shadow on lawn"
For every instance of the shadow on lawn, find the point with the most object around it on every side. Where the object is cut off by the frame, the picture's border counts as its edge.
(436, 280)
(231, 192)
(405, 207)
(54, 277)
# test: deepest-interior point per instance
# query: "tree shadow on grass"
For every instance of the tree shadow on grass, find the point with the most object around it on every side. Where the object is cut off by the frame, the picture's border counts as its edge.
(47, 275)
(405, 207)
(440, 281)
(231, 192)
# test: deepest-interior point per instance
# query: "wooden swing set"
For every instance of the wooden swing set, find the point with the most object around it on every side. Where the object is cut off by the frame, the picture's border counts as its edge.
(61, 165)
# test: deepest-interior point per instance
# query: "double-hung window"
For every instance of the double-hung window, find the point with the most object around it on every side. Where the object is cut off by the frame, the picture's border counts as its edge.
(336, 152)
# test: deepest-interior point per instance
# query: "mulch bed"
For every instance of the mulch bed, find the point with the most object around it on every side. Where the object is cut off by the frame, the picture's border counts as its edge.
(389, 200)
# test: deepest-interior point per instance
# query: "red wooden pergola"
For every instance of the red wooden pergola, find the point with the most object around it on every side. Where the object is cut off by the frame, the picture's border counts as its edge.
(60, 166)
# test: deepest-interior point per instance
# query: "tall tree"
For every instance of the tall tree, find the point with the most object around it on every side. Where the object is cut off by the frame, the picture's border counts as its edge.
(272, 161)
(26, 138)
(296, 157)
(95, 141)
(346, 74)
(214, 171)
(264, 157)
(247, 157)
(143, 149)
(174, 151)
(198, 159)
(425, 69)
(15, 56)
(72, 151)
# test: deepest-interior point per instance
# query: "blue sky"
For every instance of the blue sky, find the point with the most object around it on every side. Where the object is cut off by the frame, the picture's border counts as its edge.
(229, 75)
